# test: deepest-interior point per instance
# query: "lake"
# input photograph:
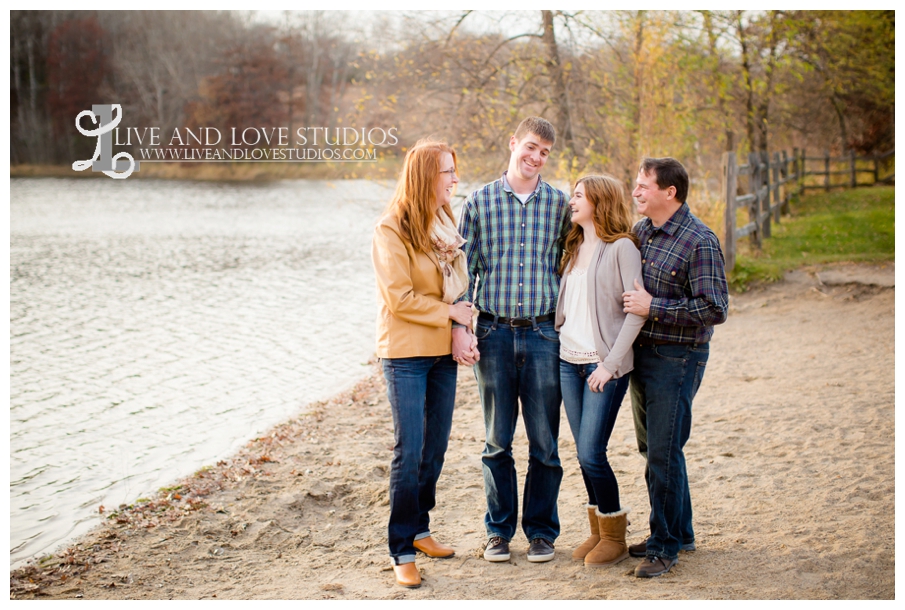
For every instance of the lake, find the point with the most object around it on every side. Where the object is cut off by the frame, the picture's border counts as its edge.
(157, 326)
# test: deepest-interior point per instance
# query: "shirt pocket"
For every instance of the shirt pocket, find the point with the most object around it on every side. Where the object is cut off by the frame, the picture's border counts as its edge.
(669, 272)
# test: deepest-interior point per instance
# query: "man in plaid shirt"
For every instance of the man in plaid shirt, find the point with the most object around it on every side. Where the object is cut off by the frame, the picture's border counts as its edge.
(514, 230)
(684, 294)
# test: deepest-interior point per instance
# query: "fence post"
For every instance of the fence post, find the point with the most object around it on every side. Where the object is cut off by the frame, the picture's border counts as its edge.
(854, 179)
(729, 189)
(754, 206)
(826, 169)
(787, 189)
(802, 164)
(876, 168)
(765, 203)
(777, 184)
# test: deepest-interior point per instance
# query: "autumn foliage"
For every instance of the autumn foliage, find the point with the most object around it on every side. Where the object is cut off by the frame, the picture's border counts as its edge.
(617, 84)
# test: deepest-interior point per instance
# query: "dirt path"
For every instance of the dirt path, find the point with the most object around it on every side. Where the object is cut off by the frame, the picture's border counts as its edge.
(791, 461)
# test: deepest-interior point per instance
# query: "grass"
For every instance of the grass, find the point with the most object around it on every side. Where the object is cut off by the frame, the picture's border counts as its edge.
(856, 225)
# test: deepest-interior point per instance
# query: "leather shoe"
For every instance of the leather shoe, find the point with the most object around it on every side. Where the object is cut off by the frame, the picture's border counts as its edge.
(432, 548)
(407, 575)
(654, 566)
(640, 549)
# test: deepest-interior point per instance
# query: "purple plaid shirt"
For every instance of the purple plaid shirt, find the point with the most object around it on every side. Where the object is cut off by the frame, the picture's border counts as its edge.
(682, 268)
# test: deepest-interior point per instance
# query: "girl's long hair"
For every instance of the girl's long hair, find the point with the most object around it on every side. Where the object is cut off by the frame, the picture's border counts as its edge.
(415, 201)
(612, 216)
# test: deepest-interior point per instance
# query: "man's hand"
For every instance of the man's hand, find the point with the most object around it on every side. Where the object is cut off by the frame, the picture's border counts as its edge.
(464, 346)
(599, 378)
(637, 301)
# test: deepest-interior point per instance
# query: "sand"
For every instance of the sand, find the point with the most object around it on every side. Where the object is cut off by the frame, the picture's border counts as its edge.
(791, 464)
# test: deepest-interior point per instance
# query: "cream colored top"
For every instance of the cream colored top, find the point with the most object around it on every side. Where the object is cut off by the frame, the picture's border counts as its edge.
(576, 336)
(613, 270)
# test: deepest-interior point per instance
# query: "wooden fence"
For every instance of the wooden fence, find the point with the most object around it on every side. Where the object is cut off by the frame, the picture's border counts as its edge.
(771, 181)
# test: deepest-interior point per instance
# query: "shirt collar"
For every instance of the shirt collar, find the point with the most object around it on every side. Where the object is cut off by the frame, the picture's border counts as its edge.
(675, 221)
(508, 188)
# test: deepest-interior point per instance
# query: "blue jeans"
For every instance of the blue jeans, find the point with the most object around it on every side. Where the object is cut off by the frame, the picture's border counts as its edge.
(592, 416)
(664, 382)
(422, 393)
(520, 364)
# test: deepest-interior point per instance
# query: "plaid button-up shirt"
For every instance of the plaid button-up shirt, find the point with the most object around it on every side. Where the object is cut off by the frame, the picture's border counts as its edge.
(682, 265)
(514, 248)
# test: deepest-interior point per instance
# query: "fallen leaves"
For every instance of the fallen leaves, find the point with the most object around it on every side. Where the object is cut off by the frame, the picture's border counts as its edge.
(171, 505)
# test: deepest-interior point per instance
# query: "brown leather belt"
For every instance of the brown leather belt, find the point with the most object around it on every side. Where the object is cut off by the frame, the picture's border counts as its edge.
(518, 321)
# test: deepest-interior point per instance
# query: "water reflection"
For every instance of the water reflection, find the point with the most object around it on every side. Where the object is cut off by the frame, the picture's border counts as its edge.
(157, 326)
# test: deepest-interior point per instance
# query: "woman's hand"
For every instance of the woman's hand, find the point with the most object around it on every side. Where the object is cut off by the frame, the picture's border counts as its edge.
(461, 313)
(599, 378)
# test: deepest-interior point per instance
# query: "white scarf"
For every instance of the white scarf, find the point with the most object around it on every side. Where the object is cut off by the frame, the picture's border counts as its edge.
(447, 244)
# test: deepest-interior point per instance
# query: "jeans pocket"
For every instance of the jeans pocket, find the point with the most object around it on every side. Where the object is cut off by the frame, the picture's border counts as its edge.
(482, 329)
(676, 353)
(548, 333)
(698, 377)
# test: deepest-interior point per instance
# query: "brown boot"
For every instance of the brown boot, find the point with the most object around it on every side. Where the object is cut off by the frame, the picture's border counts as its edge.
(586, 546)
(611, 548)
(407, 575)
(432, 548)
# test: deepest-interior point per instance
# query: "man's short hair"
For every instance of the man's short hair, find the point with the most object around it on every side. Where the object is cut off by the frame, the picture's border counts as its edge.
(669, 172)
(542, 128)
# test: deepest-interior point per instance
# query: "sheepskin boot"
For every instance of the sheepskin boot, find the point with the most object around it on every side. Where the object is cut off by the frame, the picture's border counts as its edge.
(586, 546)
(611, 548)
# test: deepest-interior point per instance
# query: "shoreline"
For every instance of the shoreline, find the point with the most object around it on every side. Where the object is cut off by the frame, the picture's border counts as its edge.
(185, 495)
(163, 505)
(384, 169)
(299, 513)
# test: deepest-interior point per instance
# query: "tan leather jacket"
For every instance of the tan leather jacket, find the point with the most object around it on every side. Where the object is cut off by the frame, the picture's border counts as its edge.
(412, 320)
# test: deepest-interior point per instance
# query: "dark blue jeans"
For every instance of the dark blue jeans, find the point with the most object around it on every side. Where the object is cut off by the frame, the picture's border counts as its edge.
(592, 416)
(422, 393)
(664, 382)
(520, 365)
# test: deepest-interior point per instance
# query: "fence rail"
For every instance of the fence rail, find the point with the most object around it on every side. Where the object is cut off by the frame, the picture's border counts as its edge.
(772, 180)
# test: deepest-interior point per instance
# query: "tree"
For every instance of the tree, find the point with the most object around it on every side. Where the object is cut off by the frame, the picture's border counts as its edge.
(853, 54)
(77, 70)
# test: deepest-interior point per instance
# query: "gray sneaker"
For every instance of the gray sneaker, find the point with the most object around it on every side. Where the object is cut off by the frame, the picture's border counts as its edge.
(540, 550)
(497, 549)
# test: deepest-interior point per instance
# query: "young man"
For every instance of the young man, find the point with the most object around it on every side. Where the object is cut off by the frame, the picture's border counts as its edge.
(514, 230)
(684, 294)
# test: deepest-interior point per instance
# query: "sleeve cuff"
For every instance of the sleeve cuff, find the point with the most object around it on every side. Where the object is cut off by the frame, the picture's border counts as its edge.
(658, 311)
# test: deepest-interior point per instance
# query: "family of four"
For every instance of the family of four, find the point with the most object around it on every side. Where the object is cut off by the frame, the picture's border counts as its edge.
(570, 299)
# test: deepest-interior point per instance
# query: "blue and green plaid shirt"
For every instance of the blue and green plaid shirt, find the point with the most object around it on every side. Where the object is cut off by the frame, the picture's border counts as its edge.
(514, 248)
(682, 265)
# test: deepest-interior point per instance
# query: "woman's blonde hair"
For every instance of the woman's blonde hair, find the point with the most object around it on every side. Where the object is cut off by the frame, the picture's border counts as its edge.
(612, 216)
(415, 201)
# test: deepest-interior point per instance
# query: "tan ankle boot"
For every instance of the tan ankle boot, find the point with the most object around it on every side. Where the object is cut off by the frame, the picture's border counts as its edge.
(611, 548)
(407, 575)
(593, 539)
(432, 548)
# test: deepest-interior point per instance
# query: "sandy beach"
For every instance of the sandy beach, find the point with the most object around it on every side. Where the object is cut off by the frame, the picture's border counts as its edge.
(791, 463)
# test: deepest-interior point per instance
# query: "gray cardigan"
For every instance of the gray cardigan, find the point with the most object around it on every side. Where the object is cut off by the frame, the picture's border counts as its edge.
(613, 269)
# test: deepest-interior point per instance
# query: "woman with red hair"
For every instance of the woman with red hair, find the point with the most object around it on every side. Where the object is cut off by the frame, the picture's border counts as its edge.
(421, 271)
